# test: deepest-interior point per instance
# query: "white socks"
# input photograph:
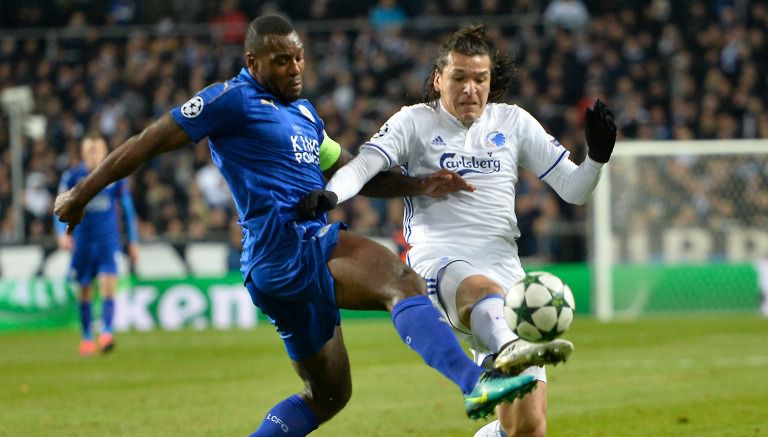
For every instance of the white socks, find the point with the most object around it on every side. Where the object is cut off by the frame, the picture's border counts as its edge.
(488, 323)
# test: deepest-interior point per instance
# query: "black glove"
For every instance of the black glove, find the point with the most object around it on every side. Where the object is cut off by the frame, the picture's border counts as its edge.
(600, 131)
(316, 202)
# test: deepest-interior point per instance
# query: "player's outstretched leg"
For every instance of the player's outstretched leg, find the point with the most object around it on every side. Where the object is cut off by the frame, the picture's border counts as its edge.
(370, 277)
(518, 355)
(480, 305)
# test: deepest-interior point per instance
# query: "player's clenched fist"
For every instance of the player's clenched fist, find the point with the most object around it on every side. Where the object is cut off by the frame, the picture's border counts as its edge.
(68, 210)
(316, 202)
(600, 131)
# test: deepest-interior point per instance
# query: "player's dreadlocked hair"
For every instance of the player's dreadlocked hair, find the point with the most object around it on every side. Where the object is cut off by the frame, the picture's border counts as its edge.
(473, 40)
(263, 26)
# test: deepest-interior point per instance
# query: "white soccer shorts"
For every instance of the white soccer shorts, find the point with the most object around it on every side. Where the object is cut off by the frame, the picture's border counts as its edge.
(443, 276)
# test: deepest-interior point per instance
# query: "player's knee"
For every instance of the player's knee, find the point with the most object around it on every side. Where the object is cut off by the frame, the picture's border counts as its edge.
(408, 284)
(466, 299)
(329, 403)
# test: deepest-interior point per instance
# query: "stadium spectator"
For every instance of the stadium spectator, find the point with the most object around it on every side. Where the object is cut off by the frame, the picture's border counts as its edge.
(298, 269)
(387, 14)
(681, 51)
(570, 14)
(231, 22)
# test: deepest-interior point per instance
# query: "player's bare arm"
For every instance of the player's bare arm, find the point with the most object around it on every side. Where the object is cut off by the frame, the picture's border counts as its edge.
(66, 242)
(159, 137)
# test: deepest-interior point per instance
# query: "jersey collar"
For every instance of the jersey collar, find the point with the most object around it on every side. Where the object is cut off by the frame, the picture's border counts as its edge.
(452, 119)
(246, 76)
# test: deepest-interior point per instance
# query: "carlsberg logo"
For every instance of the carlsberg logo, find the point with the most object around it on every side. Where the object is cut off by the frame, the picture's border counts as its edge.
(469, 164)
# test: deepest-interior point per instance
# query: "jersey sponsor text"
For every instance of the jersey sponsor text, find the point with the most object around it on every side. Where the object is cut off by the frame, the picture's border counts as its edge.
(305, 149)
(469, 164)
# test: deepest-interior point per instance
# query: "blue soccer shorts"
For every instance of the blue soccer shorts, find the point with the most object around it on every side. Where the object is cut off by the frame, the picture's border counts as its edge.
(301, 300)
(91, 260)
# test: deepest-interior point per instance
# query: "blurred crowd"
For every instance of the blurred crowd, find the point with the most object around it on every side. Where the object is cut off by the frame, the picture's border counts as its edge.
(669, 70)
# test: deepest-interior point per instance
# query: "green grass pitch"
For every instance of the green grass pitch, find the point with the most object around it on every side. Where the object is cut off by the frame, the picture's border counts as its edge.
(661, 376)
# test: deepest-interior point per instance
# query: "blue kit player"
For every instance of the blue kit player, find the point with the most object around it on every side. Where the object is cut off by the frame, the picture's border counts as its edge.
(96, 243)
(271, 148)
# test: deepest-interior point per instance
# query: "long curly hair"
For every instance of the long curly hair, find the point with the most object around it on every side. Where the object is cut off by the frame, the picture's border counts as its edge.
(471, 41)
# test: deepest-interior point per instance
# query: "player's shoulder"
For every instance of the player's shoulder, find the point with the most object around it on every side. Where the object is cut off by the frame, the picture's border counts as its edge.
(505, 109)
(230, 89)
(509, 113)
(420, 114)
(420, 110)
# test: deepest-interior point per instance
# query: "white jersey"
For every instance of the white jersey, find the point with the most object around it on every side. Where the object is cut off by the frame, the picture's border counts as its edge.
(473, 225)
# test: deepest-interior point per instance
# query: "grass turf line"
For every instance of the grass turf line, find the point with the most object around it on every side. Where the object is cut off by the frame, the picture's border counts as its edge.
(661, 376)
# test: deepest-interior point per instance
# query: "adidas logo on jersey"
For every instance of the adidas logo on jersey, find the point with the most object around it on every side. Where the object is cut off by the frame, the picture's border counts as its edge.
(438, 141)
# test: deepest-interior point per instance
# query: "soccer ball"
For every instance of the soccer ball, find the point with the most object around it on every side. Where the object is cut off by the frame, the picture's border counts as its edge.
(539, 307)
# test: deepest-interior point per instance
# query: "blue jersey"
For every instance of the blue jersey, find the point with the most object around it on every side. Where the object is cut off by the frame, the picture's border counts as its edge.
(269, 154)
(100, 223)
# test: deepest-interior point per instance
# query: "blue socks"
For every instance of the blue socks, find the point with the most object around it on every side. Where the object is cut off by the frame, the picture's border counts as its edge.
(291, 417)
(107, 312)
(423, 329)
(85, 320)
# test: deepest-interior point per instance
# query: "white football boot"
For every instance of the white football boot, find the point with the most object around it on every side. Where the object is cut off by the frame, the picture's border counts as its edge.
(518, 355)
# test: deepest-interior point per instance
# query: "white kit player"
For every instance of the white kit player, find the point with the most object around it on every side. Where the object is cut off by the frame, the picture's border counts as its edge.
(463, 244)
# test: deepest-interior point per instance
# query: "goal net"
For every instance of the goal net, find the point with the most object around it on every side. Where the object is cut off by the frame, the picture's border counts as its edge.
(680, 226)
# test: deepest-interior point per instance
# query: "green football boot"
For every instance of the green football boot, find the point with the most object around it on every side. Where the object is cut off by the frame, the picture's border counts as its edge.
(494, 388)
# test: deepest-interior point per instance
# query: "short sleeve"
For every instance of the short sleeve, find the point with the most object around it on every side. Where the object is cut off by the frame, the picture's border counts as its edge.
(214, 110)
(395, 137)
(540, 152)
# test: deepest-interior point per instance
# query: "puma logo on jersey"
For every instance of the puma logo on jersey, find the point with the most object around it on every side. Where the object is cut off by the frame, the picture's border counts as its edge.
(469, 164)
(268, 102)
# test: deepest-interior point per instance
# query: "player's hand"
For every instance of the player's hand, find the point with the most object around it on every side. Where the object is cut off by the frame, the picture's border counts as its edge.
(133, 253)
(600, 132)
(69, 210)
(316, 202)
(444, 182)
(66, 242)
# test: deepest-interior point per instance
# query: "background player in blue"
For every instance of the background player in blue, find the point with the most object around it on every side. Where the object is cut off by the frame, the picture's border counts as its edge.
(271, 148)
(96, 243)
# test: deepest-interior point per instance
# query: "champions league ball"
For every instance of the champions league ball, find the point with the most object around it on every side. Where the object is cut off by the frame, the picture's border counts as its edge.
(539, 307)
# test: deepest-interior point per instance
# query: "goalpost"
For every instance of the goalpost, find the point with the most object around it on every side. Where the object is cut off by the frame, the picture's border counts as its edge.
(678, 226)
